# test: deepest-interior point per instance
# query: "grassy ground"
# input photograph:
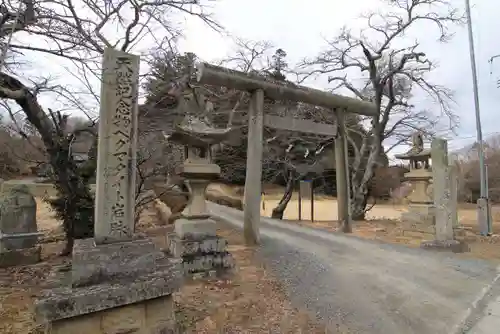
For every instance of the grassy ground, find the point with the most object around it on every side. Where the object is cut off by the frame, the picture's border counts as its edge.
(252, 301)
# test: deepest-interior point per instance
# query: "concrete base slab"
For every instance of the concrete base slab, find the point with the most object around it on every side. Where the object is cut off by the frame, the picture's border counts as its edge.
(20, 257)
(483, 216)
(446, 245)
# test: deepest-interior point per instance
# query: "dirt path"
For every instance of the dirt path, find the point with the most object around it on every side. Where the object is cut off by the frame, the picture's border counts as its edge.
(370, 287)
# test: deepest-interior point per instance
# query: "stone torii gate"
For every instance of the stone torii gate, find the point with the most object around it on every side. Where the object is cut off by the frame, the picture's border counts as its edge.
(258, 86)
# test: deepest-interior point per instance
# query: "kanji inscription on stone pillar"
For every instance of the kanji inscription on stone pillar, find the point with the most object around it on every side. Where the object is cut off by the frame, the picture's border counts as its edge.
(117, 146)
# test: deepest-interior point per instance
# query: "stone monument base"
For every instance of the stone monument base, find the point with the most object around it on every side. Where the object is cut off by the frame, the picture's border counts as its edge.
(20, 257)
(196, 229)
(445, 245)
(151, 316)
(419, 221)
(202, 257)
(123, 287)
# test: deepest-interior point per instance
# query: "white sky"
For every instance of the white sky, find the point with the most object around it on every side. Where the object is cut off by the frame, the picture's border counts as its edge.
(300, 28)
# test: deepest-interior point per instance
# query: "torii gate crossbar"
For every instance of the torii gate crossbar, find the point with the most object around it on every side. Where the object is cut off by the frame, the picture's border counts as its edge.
(259, 87)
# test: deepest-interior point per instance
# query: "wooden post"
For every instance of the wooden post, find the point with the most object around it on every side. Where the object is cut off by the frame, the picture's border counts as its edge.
(312, 201)
(342, 175)
(254, 168)
(300, 203)
(348, 179)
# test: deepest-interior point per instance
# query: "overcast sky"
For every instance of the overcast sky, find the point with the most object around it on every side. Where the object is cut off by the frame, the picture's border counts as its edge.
(299, 27)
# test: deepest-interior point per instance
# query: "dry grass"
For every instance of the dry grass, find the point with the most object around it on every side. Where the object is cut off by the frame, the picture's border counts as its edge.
(251, 302)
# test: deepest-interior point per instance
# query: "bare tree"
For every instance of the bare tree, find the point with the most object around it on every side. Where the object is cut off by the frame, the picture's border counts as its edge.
(77, 33)
(379, 64)
(292, 156)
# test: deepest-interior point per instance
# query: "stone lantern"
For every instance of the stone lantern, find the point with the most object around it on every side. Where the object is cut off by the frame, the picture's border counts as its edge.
(420, 219)
(195, 239)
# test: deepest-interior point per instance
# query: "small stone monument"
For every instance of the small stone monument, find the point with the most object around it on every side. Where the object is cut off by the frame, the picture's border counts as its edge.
(119, 281)
(445, 201)
(195, 240)
(18, 228)
(419, 220)
(432, 208)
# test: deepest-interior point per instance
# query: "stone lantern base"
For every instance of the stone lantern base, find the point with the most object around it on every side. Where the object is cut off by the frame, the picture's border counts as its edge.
(420, 219)
(195, 239)
(203, 256)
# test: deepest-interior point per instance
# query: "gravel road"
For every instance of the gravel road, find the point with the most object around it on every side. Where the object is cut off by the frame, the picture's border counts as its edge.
(363, 286)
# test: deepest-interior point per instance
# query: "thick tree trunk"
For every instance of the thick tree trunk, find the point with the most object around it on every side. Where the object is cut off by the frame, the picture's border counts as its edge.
(361, 185)
(359, 201)
(279, 210)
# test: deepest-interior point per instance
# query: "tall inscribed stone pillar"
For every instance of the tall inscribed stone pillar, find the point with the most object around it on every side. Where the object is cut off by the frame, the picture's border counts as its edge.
(119, 282)
(117, 147)
(445, 200)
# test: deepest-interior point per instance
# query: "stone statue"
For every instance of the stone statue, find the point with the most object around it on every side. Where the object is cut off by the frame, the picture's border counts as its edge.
(416, 154)
(417, 142)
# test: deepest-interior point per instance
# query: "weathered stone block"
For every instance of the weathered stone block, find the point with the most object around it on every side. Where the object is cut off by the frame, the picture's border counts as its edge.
(444, 201)
(418, 227)
(459, 231)
(446, 245)
(18, 257)
(160, 314)
(94, 264)
(154, 316)
(198, 229)
(66, 302)
(207, 262)
(422, 209)
(417, 218)
(18, 215)
(86, 324)
(125, 319)
(182, 247)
